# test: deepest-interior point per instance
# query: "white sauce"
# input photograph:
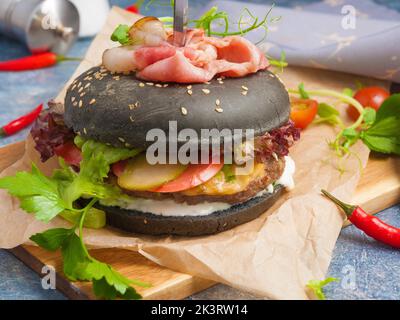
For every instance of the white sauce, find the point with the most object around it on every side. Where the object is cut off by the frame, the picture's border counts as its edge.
(286, 179)
(169, 207)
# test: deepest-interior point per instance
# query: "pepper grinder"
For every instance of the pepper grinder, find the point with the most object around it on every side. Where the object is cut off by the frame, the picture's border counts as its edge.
(42, 25)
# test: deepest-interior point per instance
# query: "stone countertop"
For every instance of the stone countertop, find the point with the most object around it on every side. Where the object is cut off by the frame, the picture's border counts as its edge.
(367, 269)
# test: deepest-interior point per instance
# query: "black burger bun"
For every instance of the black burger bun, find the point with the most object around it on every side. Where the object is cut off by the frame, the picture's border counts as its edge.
(146, 223)
(120, 109)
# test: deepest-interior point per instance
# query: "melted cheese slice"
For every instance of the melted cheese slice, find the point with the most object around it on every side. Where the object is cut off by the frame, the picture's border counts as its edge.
(219, 186)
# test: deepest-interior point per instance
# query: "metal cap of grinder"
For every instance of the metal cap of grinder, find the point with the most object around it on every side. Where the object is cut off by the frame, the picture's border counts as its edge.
(43, 25)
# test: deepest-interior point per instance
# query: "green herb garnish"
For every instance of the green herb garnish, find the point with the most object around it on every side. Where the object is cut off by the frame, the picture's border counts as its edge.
(121, 34)
(47, 198)
(379, 130)
(328, 114)
(317, 286)
(247, 22)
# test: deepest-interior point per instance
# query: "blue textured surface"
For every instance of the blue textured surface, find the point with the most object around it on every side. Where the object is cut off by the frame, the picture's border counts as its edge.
(373, 269)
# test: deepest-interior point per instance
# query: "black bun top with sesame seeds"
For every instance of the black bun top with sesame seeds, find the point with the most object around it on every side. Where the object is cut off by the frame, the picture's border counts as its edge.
(120, 109)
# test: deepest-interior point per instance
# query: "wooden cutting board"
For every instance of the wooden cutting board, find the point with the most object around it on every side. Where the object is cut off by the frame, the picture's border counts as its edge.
(378, 189)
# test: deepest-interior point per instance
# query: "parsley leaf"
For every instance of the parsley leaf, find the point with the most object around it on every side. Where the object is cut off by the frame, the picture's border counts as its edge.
(75, 258)
(317, 286)
(52, 239)
(37, 193)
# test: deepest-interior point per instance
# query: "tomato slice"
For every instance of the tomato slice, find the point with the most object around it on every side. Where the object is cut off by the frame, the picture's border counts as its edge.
(119, 167)
(371, 97)
(70, 153)
(303, 112)
(193, 176)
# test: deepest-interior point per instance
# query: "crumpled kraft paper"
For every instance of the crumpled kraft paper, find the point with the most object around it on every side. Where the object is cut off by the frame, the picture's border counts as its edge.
(273, 256)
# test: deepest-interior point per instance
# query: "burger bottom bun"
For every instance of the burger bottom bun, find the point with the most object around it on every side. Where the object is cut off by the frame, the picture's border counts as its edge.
(146, 223)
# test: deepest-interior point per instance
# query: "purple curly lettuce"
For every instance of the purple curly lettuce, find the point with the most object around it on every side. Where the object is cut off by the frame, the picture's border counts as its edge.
(49, 132)
(276, 142)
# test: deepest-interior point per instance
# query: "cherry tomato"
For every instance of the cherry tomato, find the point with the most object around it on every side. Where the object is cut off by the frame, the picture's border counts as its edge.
(193, 176)
(303, 112)
(70, 153)
(119, 167)
(133, 8)
(372, 97)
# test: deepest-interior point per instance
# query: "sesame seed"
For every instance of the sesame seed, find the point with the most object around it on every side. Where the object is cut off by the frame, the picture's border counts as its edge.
(189, 92)
(145, 221)
(79, 84)
(219, 79)
(272, 75)
(116, 78)
(73, 99)
(82, 94)
(131, 118)
(165, 85)
(221, 82)
(87, 85)
(189, 87)
(219, 110)
(184, 111)
(90, 72)
(245, 88)
(217, 102)
(80, 90)
(73, 87)
(80, 103)
(121, 139)
(78, 133)
(137, 104)
(206, 91)
(244, 93)
(131, 106)
(208, 82)
(127, 145)
(159, 85)
(75, 104)
(84, 131)
(92, 101)
(150, 83)
(141, 84)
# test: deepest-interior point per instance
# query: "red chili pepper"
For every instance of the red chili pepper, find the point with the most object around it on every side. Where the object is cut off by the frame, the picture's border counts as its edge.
(371, 225)
(36, 61)
(20, 123)
(133, 8)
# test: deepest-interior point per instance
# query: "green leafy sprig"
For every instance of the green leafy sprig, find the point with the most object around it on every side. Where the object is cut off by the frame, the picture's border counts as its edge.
(317, 286)
(247, 23)
(379, 130)
(47, 198)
